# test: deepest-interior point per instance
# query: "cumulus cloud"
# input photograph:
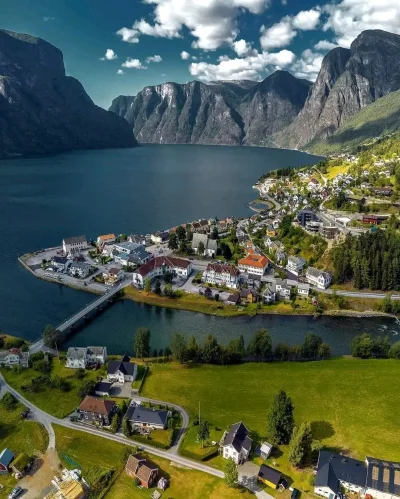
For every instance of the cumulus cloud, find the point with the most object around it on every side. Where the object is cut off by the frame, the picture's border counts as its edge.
(185, 55)
(110, 55)
(48, 19)
(154, 58)
(307, 19)
(308, 65)
(242, 48)
(133, 64)
(350, 17)
(278, 35)
(213, 23)
(246, 68)
(325, 45)
(120, 72)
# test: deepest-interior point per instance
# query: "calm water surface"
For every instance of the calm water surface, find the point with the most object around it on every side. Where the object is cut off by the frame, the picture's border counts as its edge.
(140, 190)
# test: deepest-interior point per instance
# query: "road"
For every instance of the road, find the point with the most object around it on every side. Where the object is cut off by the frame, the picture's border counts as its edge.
(355, 294)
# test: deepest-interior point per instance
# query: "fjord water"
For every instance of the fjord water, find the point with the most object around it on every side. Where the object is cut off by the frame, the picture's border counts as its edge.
(136, 190)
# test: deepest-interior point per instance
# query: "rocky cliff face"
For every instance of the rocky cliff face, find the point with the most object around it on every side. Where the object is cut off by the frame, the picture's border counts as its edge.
(42, 110)
(349, 80)
(230, 113)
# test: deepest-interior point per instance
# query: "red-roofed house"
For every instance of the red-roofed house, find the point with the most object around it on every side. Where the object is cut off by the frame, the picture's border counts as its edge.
(253, 264)
(159, 266)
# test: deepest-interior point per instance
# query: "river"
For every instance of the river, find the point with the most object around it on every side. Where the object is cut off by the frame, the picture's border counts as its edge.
(136, 190)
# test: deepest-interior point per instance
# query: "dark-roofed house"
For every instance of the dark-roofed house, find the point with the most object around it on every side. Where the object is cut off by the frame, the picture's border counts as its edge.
(233, 299)
(269, 476)
(97, 410)
(318, 278)
(138, 467)
(6, 456)
(236, 443)
(121, 370)
(103, 388)
(74, 244)
(383, 478)
(143, 417)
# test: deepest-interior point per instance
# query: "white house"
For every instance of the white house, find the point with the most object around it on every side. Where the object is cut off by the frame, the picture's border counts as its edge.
(303, 289)
(105, 239)
(224, 275)
(60, 263)
(236, 443)
(14, 357)
(122, 371)
(159, 266)
(79, 269)
(113, 276)
(318, 278)
(83, 357)
(159, 237)
(295, 264)
(74, 244)
(210, 245)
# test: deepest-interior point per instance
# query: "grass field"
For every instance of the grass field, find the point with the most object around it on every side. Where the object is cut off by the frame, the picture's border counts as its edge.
(97, 456)
(51, 400)
(20, 436)
(352, 404)
(334, 171)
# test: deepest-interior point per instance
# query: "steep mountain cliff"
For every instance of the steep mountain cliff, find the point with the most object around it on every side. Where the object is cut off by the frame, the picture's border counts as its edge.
(230, 113)
(42, 110)
(349, 80)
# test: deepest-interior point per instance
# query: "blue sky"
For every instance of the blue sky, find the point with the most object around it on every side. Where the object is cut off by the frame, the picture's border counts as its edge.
(118, 47)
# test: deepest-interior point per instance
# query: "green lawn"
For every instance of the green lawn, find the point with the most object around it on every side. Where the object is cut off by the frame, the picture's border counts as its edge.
(51, 400)
(97, 456)
(352, 404)
(190, 442)
(20, 436)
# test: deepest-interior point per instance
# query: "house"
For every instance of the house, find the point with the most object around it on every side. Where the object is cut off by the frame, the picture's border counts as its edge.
(6, 456)
(329, 231)
(159, 237)
(303, 289)
(248, 295)
(143, 417)
(79, 269)
(269, 476)
(384, 191)
(113, 276)
(97, 410)
(265, 450)
(133, 254)
(374, 219)
(138, 467)
(14, 357)
(21, 464)
(233, 299)
(269, 294)
(133, 238)
(236, 443)
(74, 244)
(295, 264)
(105, 239)
(60, 263)
(210, 245)
(305, 216)
(158, 266)
(280, 256)
(122, 370)
(318, 278)
(222, 274)
(253, 264)
(284, 291)
(103, 388)
(83, 357)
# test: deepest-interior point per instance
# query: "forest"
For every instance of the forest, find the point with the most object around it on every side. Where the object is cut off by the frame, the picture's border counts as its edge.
(371, 260)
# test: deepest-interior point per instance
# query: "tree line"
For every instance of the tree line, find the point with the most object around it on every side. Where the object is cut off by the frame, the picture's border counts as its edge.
(259, 349)
(365, 346)
(371, 260)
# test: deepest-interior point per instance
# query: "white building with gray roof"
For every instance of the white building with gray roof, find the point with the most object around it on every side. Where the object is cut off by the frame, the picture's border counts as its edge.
(210, 245)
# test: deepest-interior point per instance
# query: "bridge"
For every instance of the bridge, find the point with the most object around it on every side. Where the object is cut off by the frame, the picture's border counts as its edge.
(81, 314)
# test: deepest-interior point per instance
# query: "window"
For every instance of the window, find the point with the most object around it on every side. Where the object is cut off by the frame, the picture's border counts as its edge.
(386, 475)
(396, 479)
(375, 473)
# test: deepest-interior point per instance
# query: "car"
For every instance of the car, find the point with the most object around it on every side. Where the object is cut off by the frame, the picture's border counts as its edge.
(295, 494)
(16, 491)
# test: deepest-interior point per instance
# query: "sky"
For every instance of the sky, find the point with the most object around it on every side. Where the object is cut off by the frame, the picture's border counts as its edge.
(120, 46)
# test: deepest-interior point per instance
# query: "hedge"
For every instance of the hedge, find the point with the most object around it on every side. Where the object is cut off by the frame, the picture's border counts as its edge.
(193, 455)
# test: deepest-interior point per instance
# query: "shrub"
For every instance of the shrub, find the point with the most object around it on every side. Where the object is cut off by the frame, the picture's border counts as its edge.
(9, 401)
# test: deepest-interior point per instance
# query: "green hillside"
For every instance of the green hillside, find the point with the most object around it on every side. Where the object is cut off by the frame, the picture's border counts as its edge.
(379, 118)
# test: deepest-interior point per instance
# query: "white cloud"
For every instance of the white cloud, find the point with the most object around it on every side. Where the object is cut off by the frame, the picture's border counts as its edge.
(185, 55)
(110, 55)
(48, 19)
(325, 45)
(306, 19)
(120, 72)
(241, 47)
(246, 68)
(308, 65)
(350, 17)
(154, 58)
(278, 35)
(133, 64)
(213, 23)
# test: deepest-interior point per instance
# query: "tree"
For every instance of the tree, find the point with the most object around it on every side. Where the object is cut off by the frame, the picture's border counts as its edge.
(168, 291)
(214, 233)
(260, 346)
(394, 352)
(231, 473)
(126, 427)
(8, 401)
(157, 288)
(280, 419)
(211, 352)
(123, 407)
(324, 351)
(168, 277)
(147, 285)
(42, 366)
(115, 423)
(311, 345)
(200, 248)
(226, 252)
(80, 373)
(204, 431)
(1, 342)
(173, 241)
(52, 338)
(178, 347)
(181, 233)
(300, 444)
(362, 346)
(87, 388)
(192, 351)
(142, 342)
(208, 293)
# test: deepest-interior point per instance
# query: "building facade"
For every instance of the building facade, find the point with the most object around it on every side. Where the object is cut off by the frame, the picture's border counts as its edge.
(318, 278)
(223, 275)
(74, 244)
(158, 266)
(253, 264)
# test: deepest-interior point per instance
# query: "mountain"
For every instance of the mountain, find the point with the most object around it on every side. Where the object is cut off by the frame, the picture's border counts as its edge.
(349, 80)
(42, 110)
(222, 112)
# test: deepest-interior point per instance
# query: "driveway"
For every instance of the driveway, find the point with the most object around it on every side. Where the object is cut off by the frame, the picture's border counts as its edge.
(248, 478)
(119, 390)
(37, 482)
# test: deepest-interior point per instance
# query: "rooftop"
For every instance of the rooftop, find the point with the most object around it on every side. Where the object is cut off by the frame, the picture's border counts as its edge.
(139, 414)
(259, 261)
(96, 405)
(160, 261)
(238, 437)
(75, 240)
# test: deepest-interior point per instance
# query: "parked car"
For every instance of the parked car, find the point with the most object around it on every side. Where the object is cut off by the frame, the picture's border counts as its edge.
(15, 493)
(295, 494)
